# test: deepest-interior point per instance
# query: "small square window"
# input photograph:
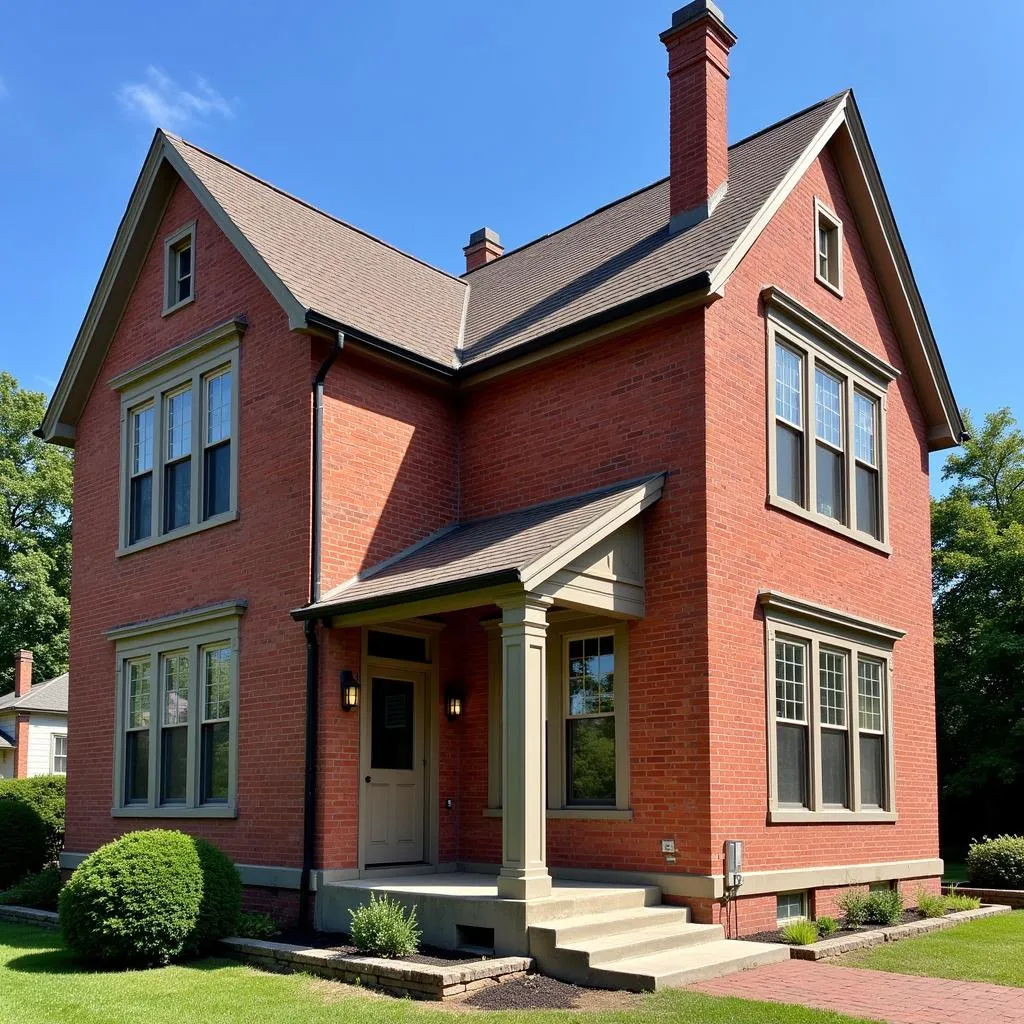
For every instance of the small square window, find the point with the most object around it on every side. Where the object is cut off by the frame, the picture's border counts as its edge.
(179, 268)
(828, 248)
(790, 906)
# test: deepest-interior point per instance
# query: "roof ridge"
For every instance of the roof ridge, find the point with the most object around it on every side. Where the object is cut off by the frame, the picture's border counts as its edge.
(311, 206)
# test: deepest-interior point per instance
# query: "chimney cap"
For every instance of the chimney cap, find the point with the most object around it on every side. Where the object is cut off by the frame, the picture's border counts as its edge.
(484, 235)
(693, 12)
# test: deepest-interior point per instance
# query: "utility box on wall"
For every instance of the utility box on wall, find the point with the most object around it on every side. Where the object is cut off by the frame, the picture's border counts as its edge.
(733, 863)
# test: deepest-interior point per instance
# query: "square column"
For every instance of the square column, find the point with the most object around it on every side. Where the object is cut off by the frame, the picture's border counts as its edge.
(524, 873)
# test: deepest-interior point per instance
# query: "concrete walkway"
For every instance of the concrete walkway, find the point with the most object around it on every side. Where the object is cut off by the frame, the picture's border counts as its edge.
(899, 998)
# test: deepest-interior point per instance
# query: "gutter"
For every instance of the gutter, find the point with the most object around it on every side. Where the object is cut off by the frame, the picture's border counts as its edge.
(309, 628)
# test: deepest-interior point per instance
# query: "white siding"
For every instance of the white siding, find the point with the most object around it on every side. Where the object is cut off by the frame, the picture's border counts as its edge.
(7, 756)
(40, 730)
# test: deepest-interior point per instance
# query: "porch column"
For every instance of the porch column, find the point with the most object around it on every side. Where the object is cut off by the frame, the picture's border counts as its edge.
(524, 874)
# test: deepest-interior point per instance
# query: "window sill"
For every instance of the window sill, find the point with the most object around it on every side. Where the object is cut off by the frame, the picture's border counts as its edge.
(207, 811)
(800, 816)
(826, 283)
(576, 813)
(168, 310)
(784, 505)
(183, 531)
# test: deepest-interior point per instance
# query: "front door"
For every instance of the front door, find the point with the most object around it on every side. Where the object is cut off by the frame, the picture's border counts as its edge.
(393, 785)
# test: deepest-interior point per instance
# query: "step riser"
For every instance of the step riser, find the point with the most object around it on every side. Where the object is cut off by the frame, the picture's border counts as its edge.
(663, 944)
(568, 935)
(630, 902)
(605, 978)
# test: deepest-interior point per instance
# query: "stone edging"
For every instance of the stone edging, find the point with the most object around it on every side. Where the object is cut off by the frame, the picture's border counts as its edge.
(1008, 897)
(861, 940)
(28, 915)
(420, 981)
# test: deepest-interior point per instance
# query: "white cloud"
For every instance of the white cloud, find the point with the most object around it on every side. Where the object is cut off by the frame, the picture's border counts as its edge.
(160, 100)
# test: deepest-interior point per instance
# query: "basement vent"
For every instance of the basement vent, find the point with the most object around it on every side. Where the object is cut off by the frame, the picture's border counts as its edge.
(471, 939)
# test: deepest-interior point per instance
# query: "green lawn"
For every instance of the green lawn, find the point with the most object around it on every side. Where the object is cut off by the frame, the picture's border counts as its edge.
(990, 949)
(40, 982)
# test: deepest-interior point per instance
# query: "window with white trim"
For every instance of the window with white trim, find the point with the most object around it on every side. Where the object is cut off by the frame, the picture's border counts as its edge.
(59, 753)
(180, 444)
(828, 248)
(179, 268)
(826, 433)
(790, 906)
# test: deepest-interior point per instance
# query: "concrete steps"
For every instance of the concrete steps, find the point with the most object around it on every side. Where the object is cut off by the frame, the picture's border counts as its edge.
(642, 949)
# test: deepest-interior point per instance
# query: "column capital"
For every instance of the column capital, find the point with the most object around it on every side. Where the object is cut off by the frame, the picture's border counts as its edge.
(528, 610)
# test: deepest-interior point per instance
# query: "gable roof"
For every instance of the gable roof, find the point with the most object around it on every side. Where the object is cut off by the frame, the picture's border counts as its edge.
(620, 259)
(51, 696)
(525, 546)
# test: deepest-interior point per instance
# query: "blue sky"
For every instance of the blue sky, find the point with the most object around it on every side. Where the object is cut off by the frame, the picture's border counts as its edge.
(420, 122)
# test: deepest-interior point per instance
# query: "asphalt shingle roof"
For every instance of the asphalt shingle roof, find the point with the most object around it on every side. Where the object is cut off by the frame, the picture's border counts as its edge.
(49, 696)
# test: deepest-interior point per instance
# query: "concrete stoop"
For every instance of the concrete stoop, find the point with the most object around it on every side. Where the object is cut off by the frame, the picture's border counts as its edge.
(642, 948)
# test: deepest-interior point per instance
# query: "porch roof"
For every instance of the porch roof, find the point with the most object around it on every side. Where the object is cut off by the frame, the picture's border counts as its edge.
(526, 547)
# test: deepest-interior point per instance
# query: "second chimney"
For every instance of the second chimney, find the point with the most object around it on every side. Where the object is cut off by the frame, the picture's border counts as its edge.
(484, 246)
(698, 46)
(22, 673)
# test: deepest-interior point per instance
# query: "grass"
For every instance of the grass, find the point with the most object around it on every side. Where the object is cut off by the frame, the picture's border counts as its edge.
(990, 949)
(42, 983)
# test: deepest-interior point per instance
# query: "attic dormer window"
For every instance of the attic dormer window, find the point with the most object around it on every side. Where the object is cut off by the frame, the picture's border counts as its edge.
(828, 248)
(179, 268)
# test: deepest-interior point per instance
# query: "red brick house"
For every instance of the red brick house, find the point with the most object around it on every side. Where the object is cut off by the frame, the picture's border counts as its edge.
(576, 567)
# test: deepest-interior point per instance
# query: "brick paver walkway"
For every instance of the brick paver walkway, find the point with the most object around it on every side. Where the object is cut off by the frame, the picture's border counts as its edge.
(899, 998)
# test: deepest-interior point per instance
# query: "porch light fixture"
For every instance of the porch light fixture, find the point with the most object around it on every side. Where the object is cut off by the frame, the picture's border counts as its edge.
(453, 701)
(349, 690)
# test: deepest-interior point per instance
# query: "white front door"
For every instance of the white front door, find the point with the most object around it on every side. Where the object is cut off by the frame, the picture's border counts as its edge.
(393, 783)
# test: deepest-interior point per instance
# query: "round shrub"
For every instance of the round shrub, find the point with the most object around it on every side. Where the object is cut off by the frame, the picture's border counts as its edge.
(221, 905)
(997, 863)
(382, 927)
(134, 901)
(44, 793)
(24, 848)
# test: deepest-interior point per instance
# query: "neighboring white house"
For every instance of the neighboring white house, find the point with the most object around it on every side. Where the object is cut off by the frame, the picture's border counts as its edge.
(33, 724)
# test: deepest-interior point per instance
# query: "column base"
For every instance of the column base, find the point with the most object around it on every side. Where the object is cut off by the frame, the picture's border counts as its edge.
(516, 884)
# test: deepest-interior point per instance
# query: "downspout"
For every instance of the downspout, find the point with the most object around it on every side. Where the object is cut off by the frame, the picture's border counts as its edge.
(309, 626)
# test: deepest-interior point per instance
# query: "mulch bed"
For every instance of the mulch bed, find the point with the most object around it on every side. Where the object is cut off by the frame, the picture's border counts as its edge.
(776, 936)
(338, 942)
(535, 992)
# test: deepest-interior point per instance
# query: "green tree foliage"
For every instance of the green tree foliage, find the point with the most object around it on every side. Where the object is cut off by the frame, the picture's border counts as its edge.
(35, 538)
(978, 584)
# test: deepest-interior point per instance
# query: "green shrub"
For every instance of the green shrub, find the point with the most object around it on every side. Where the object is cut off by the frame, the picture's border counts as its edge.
(884, 906)
(957, 902)
(39, 891)
(799, 933)
(827, 926)
(383, 928)
(931, 905)
(854, 906)
(46, 794)
(23, 849)
(148, 898)
(256, 926)
(997, 863)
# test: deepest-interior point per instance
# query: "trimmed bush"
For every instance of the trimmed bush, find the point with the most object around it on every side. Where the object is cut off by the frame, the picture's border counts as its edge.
(799, 933)
(254, 925)
(383, 928)
(931, 905)
(143, 900)
(854, 906)
(24, 847)
(44, 793)
(997, 863)
(884, 906)
(39, 891)
(827, 926)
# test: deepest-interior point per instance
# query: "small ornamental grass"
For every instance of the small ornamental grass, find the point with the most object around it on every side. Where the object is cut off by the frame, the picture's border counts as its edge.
(884, 906)
(255, 925)
(382, 927)
(799, 933)
(827, 926)
(854, 906)
(997, 863)
(932, 905)
(958, 902)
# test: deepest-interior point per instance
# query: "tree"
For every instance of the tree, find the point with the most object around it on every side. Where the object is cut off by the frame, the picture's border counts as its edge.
(978, 587)
(35, 538)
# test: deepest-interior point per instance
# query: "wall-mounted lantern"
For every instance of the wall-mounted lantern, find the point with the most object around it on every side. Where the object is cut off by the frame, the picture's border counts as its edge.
(349, 689)
(453, 701)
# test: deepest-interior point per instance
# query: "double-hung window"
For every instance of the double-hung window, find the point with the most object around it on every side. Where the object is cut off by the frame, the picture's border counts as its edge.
(180, 268)
(59, 753)
(177, 684)
(830, 713)
(828, 248)
(180, 439)
(590, 720)
(826, 424)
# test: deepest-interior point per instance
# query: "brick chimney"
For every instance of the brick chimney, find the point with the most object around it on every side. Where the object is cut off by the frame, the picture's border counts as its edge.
(484, 246)
(698, 45)
(22, 673)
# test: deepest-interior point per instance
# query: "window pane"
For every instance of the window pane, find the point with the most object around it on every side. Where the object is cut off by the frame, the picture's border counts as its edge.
(217, 479)
(185, 261)
(832, 676)
(789, 466)
(175, 700)
(829, 467)
(790, 905)
(140, 508)
(392, 725)
(142, 440)
(174, 764)
(869, 694)
(136, 766)
(834, 767)
(865, 418)
(60, 755)
(872, 771)
(218, 407)
(380, 644)
(590, 745)
(828, 408)
(215, 763)
(867, 500)
(789, 681)
(177, 494)
(791, 744)
(138, 694)
(592, 676)
(179, 425)
(217, 698)
(788, 385)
